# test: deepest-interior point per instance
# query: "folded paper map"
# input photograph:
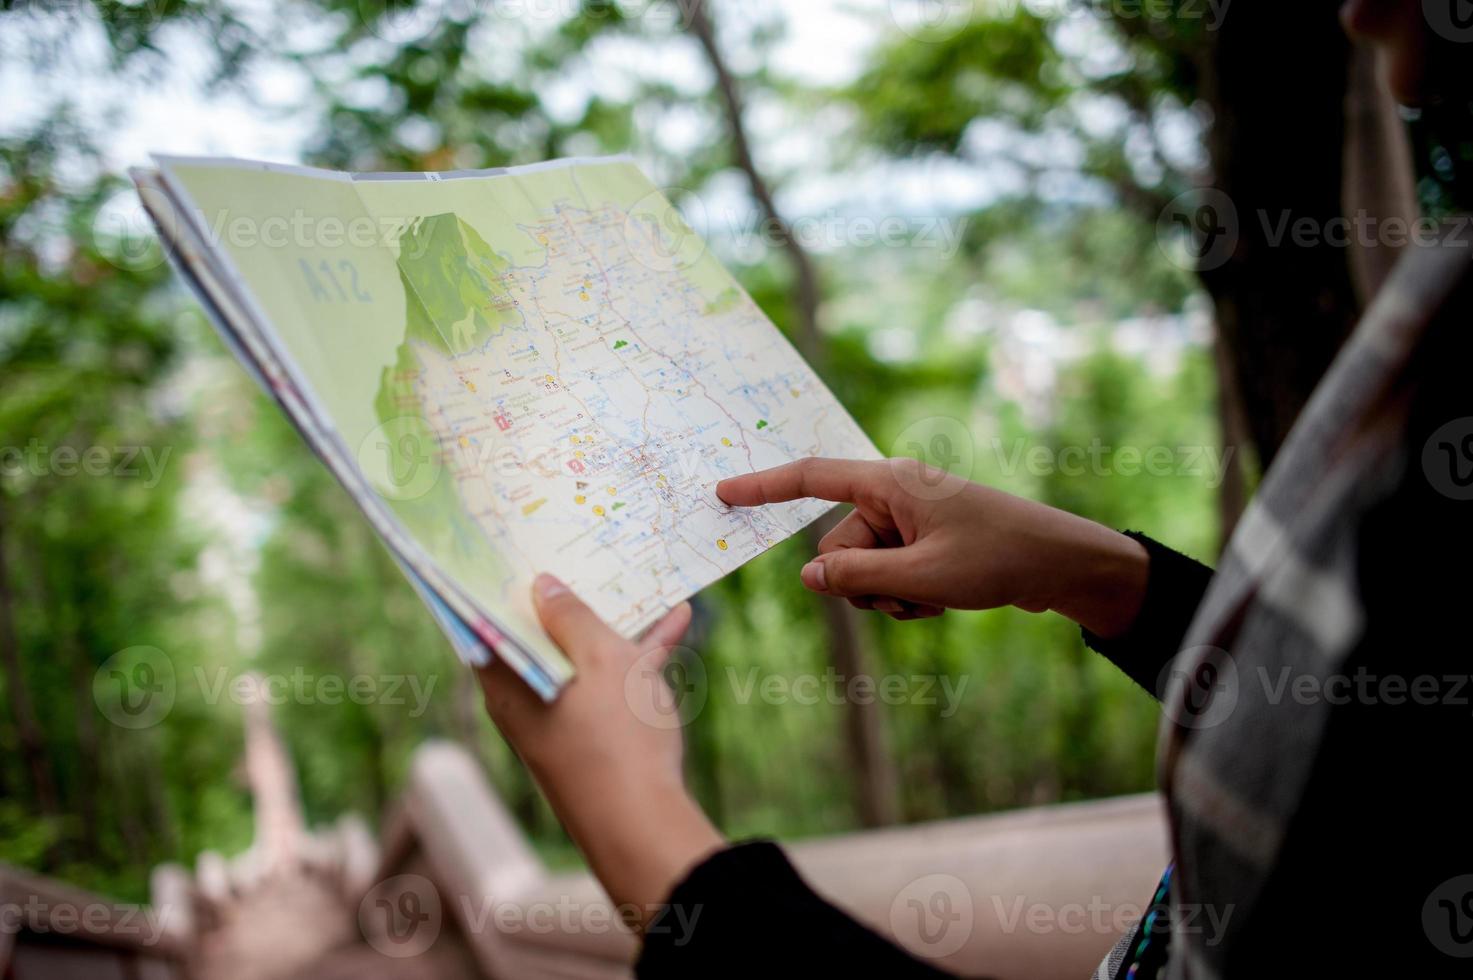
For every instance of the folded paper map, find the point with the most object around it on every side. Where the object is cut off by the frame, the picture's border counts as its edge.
(512, 371)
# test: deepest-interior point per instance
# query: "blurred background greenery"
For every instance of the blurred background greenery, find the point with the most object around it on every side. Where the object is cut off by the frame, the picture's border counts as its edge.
(1050, 139)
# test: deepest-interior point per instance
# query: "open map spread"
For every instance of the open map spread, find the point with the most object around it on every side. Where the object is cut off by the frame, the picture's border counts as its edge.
(512, 372)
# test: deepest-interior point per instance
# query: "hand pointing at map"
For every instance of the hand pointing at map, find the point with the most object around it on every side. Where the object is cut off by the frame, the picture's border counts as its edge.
(958, 545)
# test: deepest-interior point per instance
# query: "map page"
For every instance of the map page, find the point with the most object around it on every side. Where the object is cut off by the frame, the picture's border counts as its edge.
(534, 370)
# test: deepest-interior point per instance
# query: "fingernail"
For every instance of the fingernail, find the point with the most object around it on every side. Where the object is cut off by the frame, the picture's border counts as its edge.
(549, 586)
(814, 576)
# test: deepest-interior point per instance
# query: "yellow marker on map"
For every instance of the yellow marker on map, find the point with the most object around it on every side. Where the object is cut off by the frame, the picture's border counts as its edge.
(721, 543)
(533, 507)
(599, 512)
(580, 500)
(470, 384)
(725, 441)
(613, 491)
(465, 443)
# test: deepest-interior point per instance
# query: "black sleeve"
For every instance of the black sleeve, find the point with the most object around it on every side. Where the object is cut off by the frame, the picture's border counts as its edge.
(746, 912)
(1174, 589)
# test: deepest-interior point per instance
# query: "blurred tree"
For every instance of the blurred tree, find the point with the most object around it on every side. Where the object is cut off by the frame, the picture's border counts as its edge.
(1283, 309)
(870, 765)
(1107, 95)
(89, 521)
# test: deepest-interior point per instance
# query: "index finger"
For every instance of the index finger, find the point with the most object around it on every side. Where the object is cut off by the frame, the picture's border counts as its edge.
(838, 480)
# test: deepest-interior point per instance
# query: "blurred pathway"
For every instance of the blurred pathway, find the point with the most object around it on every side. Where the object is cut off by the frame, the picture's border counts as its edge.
(283, 908)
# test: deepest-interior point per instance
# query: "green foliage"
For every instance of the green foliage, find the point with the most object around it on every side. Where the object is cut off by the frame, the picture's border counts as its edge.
(1100, 96)
(1108, 257)
(923, 94)
(97, 556)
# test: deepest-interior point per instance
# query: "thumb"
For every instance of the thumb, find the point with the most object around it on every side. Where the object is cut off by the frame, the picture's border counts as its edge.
(862, 571)
(669, 631)
(572, 625)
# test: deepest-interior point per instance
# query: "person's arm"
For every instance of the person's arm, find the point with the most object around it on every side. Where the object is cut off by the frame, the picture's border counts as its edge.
(1175, 585)
(746, 912)
(604, 753)
(607, 754)
(920, 541)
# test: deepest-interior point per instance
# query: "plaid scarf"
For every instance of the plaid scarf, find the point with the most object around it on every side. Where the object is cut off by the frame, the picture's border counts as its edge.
(1232, 765)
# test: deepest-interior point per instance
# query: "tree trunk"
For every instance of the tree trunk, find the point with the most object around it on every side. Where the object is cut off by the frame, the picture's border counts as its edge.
(28, 731)
(876, 785)
(1275, 77)
(89, 755)
(1232, 495)
(161, 814)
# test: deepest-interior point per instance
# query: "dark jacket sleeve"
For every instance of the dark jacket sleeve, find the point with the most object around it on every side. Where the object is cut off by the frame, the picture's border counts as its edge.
(1174, 589)
(745, 912)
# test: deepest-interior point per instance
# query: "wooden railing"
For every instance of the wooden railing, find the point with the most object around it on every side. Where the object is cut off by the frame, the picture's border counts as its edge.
(1037, 894)
(49, 931)
(455, 891)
